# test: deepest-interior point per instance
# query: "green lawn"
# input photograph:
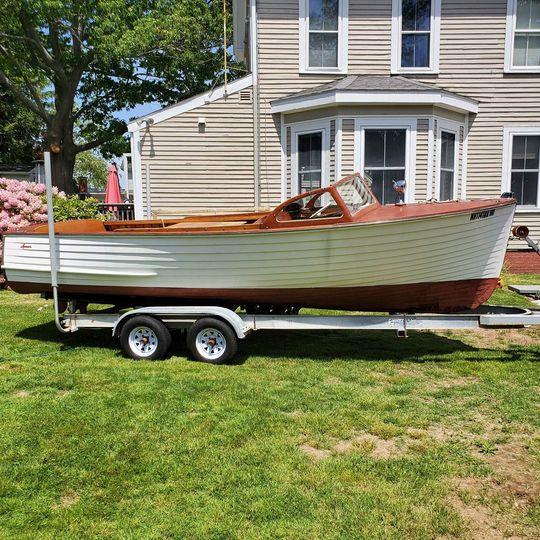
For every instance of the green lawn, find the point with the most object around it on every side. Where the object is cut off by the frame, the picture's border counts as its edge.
(307, 436)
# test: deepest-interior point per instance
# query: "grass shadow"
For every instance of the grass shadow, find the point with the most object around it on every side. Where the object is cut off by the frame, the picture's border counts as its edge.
(319, 346)
(377, 345)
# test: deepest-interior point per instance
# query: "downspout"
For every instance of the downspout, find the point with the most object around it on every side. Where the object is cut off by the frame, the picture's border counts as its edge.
(253, 58)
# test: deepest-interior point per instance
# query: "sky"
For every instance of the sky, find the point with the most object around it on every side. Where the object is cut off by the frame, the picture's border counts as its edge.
(139, 110)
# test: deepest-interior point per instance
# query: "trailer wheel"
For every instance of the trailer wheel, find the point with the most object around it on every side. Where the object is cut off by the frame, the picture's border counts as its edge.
(145, 338)
(212, 341)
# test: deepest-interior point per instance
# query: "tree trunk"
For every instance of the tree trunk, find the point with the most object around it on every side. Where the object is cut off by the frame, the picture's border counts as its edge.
(62, 165)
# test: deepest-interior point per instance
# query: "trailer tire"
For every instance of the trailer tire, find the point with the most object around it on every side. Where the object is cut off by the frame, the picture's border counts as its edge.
(211, 341)
(145, 338)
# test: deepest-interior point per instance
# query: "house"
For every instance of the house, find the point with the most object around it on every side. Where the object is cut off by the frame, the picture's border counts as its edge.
(32, 172)
(442, 93)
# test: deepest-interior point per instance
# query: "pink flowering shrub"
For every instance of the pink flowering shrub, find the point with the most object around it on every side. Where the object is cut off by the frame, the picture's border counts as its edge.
(21, 204)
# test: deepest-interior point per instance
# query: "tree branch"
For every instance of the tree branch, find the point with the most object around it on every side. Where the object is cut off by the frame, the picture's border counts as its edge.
(22, 97)
(94, 144)
(40, 49)
(55, 43)
(35, 95)
(92, 103)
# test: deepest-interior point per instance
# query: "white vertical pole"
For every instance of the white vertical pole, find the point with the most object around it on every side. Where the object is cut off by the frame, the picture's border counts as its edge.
(52, 240)
(50, 220)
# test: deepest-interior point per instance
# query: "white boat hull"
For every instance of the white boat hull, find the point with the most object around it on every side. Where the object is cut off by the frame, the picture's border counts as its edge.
(343, 267)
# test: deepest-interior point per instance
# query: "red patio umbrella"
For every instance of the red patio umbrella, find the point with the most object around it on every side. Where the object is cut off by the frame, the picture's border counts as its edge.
(112, 191)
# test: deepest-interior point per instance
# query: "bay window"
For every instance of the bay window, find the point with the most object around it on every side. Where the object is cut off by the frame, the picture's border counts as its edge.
(447, 172)
(384, 161)
(384, 153)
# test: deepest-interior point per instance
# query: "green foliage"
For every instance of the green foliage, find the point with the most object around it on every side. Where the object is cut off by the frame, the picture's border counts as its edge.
(92, 168)
(71, 207)
(115, 53)
(20, 132)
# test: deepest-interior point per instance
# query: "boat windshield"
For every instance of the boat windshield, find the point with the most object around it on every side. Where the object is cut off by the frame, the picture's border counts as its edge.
(319, 206)
(355, 194)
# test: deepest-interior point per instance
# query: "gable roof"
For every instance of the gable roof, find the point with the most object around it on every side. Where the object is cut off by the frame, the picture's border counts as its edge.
(373, 89)
(189, 104)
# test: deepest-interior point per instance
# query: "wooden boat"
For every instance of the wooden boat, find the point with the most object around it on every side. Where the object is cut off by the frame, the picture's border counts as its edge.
(335, 248)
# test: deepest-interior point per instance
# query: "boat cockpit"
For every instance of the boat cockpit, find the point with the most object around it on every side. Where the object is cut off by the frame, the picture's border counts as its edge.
(338, 203)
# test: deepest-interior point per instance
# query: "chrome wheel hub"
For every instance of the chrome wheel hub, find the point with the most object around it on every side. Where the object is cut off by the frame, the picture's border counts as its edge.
(211, 343)
(143, 341)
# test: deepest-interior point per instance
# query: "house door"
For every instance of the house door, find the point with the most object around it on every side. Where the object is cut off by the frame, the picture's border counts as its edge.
(310, 161)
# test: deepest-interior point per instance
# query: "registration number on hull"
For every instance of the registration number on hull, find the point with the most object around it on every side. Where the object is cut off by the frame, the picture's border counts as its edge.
(483, 214)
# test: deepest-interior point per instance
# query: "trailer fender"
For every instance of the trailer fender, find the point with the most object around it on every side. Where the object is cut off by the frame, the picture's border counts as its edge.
(160, 312)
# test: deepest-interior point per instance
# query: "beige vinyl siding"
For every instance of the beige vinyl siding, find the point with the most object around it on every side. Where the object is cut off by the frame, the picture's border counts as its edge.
(278, 40)
(214, 171)
(422, 156)
(370, 33)
(347, 147)
(288, 193)
(434, 166)
(332, 151)
(146, 187)
(471, 63)
(192, 169)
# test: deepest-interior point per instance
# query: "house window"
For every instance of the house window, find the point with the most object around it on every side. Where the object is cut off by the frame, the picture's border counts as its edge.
(415, 35)
(384, 161)
(323, 36)
(523, 35)
(525, 169)
(447, 166)
(521, 173)
(309, 156)
(309, 161)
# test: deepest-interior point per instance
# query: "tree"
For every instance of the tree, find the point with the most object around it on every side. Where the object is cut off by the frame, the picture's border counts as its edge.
(101, 56)
(92, 168)
(20, 132)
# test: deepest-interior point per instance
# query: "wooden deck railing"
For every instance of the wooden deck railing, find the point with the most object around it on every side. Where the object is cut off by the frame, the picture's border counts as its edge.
(118, 212)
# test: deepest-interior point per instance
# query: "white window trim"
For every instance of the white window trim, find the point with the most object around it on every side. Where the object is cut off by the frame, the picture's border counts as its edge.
(343, 39)
(434, 45)
(509, 43)
(304, 128)
(454, 128)
(508, 138)
(409, 125)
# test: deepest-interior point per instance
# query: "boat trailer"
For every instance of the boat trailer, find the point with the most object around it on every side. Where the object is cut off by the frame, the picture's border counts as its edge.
(213, 332)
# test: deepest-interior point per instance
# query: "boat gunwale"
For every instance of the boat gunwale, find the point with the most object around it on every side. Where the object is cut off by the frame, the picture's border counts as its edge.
(482, 205)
